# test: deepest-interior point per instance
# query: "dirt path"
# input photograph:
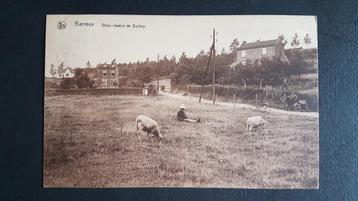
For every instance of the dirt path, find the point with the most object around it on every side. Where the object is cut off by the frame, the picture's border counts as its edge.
(242, 105)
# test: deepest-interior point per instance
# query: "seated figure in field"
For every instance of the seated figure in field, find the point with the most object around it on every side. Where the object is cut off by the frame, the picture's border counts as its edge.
(181, 116)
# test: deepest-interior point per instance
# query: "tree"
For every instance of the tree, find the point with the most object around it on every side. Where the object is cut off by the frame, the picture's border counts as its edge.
(144, 73)
(173, 59)
(298, 64)
(82, 80)
(67, 83)
(53, 72)
(88, 64)
(223, 51)
(61, 65)
(295, 41)
(172, 64)
(113, 61)
(165, 66)
(234, 44)
(281, 38)
(182, 58)
(307, 40)
(271, 72)
(60, 68)
(201, 53)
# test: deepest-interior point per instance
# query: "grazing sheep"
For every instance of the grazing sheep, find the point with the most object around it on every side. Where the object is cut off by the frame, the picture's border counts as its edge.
(148, 125)
(254, 122)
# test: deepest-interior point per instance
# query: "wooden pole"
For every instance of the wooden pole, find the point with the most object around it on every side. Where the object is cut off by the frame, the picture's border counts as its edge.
(206, 72)
(189, 92)
(157, 86)
(265, 92)
(256, 99)
(214, 95)
(234, 100)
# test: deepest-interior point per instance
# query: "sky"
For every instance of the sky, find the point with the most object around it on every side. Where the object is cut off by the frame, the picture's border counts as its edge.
(163, 35)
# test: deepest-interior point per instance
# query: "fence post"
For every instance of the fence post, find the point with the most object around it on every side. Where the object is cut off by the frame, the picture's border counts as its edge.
(189, 92)
(234, 100)
(256, 98)
(265, 93)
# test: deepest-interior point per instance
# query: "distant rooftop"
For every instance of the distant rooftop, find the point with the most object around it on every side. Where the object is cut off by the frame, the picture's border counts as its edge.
(64, 70)
(105, 65)
(257, 44)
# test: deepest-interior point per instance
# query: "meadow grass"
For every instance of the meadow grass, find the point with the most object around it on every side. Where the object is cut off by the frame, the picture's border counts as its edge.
(89, 141)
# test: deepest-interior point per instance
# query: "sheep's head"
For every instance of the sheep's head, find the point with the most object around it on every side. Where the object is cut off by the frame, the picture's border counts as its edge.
(157, 133)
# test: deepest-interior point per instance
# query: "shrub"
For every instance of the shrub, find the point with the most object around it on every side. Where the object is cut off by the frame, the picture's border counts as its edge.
(82, 79)
(67, 83)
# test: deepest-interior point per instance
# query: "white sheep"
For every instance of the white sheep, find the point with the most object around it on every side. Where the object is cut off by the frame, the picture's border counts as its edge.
(148, 125)
(254, 122)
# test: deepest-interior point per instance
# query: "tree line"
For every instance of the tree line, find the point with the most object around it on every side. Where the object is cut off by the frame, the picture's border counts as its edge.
(191, 70)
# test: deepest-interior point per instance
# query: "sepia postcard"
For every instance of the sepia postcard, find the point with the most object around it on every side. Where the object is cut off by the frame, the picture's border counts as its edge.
(181, 101)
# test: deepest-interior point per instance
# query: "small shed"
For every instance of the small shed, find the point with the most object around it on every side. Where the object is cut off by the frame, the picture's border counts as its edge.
(165, 84)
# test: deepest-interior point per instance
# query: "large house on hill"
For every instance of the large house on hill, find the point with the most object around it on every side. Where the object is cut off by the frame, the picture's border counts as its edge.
(107, 76)
(248, 53)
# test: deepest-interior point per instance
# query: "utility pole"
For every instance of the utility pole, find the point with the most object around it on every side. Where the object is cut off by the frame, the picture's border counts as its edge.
(158, 67)
(214, 95)
(212, 49)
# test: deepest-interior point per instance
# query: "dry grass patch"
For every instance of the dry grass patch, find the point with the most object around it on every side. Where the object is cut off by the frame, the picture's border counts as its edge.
(84, 146)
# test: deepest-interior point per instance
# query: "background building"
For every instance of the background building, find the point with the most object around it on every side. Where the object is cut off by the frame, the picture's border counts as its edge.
(248, 53)
(107, 76)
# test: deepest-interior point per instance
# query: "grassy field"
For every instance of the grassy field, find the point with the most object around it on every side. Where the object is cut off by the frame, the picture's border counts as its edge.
(84, 146)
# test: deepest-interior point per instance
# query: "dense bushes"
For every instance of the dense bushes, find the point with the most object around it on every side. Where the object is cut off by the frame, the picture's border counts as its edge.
(82, 80)
(269, 96)
(229, 91)
(68, 83)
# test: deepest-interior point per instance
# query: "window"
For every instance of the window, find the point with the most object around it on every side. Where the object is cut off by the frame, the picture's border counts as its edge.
(264, 50)
(104, 73)
(104, 82)
(243, 53)
(67, 74)
(113, 74)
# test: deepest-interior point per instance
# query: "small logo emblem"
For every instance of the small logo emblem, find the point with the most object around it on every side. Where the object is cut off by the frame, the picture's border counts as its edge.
(61, 25)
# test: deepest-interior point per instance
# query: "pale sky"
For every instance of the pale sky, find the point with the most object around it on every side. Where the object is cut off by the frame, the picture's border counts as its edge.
(163, 35)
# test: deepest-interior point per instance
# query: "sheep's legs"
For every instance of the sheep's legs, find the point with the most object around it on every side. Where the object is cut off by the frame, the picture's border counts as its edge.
(248, 129)
(137, 133)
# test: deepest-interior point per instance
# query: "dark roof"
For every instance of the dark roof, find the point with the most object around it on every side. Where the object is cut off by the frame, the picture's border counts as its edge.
(64, 70)
(105, 65)
(258, 44)
(90, 70)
